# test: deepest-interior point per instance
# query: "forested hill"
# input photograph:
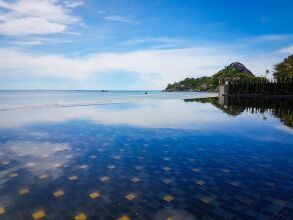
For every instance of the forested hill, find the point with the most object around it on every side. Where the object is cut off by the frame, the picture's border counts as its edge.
(235, 70)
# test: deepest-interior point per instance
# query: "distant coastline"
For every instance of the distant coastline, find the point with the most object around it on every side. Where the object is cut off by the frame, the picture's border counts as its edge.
(235, 71)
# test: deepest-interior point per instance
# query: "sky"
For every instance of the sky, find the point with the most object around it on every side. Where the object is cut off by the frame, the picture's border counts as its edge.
(137, 44)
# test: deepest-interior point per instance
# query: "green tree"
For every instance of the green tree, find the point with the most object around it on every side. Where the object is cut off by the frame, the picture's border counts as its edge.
(284, 69)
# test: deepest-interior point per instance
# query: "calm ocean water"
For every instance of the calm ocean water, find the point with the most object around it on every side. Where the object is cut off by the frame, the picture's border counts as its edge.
(129, 155)
(36, 99)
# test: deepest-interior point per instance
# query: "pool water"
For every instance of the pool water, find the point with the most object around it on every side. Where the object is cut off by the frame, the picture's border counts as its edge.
(160, 157)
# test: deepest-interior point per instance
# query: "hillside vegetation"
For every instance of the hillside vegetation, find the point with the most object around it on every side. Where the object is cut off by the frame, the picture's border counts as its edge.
(235, 70)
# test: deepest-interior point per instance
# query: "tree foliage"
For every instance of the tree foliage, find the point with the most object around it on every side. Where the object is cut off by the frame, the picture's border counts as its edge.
(233, 71)
(190, 84)
(284, 69)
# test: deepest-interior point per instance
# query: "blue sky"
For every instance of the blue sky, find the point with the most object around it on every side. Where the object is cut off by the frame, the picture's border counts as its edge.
(127, 44)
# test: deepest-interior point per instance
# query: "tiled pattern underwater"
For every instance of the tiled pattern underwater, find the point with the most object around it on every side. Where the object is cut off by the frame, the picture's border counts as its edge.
(82, 170)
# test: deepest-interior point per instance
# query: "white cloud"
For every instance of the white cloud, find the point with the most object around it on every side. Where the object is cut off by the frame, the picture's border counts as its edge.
(158, 66)
(29, 43)
(118, 18)
(158, 42)
(25, 17)
(31, 25)
(286, 50)
(72, 3)
(155, 67)
(273, 37)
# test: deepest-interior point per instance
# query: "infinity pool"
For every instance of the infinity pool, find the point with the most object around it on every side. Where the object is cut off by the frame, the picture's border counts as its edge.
(147, 158)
